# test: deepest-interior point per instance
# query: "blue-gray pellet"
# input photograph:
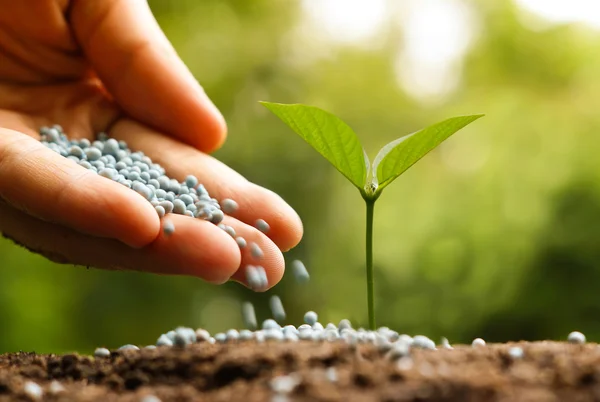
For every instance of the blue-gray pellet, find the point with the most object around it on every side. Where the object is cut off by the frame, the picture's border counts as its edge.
(170, 197)
(303, 327)
(331, 374)
(167, 205)
(284, 384)
(350, 338)
(164, 340)
(73, 158)
(317, 326)
(174, 186)
(392, 335)
(277, 308)
(129, 347)
(168, 228)
(318, 336)
(76, 151)
(160, 194)
(310, 318)
(160, 211)
(305, 334)
(191, 181)
(477, 342)
(154, 183)
(154, 174)
(56, 388)
(217, 216)
(331, 326)
(248, 315)
(136, 156)
(246, 335)
(101, 136)
(230, 231)
(232, 335)
(269, 323)
(256, 251)
(576, 337)
(369, 337)
(229, 206)
(178, 206)
(99, 145)
(262, 274)
(290, 337)
(171, 335)
(146, 177)
(516, 352)
(93, 154)
(150, 398)
(382, 343)
(164, 182)
(253, 277)
(241, 242)
(202, 335)
(262, 225)
(331, 335)
(85, 164)
(290, 328)
(133, 176)
(423, 342)
(102, 352)
(111, 147)
(33, 390)
(273, 334)
(151, 347)
(259, 336)
(299, 271)
(98, 165)
(398, 351)
(187, 200)
(221, 337)
(187, 332)
(405, 338)
(188, 213)
(108, 173)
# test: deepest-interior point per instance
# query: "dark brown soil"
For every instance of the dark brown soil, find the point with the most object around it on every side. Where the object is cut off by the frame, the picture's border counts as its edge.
(549, 371)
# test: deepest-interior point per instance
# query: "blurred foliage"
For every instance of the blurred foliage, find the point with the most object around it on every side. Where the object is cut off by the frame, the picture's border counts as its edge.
(494, 234)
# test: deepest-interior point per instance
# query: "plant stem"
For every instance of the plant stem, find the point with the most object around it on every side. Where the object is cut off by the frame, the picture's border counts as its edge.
(369, 247)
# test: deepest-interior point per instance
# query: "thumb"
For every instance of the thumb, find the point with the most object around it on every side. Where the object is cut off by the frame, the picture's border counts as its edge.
(141, 70)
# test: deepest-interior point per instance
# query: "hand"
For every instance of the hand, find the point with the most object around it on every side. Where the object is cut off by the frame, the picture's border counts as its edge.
(105, 65)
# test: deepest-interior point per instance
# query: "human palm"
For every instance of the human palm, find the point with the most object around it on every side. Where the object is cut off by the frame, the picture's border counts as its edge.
(106, 66)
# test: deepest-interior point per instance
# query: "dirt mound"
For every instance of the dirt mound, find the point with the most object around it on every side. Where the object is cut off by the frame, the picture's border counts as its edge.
(547, 371)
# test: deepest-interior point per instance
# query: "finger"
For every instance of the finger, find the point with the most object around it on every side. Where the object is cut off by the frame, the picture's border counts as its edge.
(42, 183)
(196, 248)
(179, 160)
(140, 68)
(272, 260)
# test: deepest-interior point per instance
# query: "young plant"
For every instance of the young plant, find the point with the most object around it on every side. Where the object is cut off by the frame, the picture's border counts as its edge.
(336, 141)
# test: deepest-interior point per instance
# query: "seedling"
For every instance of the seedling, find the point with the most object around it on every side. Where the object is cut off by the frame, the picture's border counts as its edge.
(336, 141)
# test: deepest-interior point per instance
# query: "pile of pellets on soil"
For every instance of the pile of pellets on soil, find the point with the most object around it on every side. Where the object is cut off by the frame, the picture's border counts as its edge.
(278, 363)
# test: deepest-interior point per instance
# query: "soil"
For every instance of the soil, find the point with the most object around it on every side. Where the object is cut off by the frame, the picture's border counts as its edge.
(549, 371)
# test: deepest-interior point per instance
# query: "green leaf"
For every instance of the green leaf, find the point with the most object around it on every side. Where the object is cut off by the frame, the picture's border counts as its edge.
(329, 135)
(399, 155)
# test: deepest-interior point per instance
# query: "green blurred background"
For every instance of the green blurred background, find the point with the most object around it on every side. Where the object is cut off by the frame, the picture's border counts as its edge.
(494, 235)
